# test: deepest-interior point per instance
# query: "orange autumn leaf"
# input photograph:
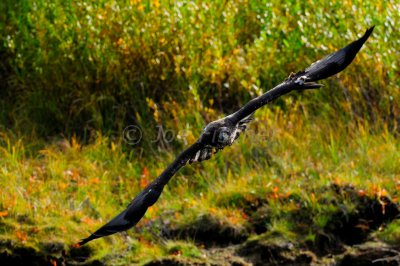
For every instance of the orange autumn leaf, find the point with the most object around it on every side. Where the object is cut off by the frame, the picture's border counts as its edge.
(3, 213)
(361, 193)
(72, 174)
(94, 180)
(144, 178)
(152, 211)
(144, 241)
(233, 219)
(143, 182)
(53, 262)
(87, 220)
(77, 245)
(145, 172)
(337, 181)
(213, 210)
(75, 174)
(22, 236)
(62, 185)
(120, 42)
(383, 193)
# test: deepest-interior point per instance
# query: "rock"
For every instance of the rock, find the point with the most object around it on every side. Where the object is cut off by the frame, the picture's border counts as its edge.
(275, 251)
(371, 253)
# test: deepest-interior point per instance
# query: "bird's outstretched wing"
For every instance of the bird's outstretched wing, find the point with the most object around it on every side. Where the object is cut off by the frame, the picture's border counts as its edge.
(233, 125)
(306, 79)
(146, 198)
(335, 62)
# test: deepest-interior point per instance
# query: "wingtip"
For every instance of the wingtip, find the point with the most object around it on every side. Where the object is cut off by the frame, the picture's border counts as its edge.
(368, 32)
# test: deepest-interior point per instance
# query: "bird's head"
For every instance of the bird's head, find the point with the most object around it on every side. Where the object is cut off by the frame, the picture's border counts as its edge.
(223, 137)
(216, 134)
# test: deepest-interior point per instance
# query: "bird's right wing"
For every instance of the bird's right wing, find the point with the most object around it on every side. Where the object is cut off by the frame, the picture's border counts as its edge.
(145, 199)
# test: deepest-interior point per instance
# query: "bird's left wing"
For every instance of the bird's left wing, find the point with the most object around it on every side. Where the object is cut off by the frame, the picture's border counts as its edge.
(335, 62)
(306, 79)
(146, 198)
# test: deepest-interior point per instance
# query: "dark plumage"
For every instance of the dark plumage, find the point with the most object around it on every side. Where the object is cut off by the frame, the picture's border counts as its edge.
(219, 134)
(223, 132)
(146, 198)
(335, 62)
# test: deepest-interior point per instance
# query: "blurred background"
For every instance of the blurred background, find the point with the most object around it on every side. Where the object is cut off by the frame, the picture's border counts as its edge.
(97, 98)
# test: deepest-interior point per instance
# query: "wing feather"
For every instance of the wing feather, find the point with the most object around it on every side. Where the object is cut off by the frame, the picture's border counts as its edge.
(335, 62)
(242, 125)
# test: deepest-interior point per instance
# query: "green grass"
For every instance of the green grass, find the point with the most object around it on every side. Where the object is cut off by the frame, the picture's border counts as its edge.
(63, 194)
(75, 74)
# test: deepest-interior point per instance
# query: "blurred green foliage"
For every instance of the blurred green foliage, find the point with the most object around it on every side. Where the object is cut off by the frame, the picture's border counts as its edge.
(74, 67)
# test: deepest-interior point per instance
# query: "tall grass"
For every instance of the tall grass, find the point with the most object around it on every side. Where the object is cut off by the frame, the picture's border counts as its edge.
(78, 66)
(67, 190)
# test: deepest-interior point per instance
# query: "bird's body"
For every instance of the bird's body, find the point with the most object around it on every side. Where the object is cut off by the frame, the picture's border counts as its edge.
(219, 134)
(222, 133)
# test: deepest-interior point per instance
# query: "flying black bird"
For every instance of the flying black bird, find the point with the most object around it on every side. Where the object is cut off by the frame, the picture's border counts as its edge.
(223, 132)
